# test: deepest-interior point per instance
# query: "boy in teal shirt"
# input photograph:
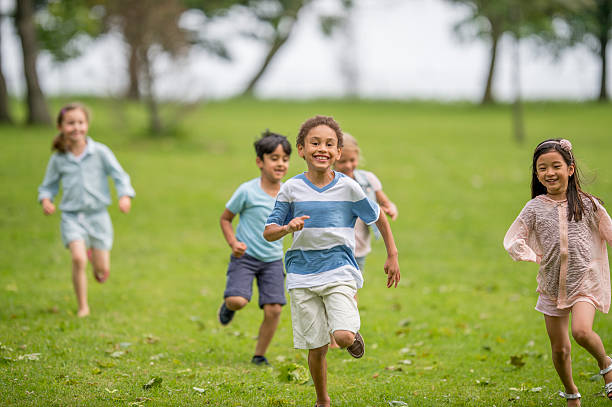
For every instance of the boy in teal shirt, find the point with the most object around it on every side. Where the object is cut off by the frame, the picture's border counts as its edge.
(252, 256)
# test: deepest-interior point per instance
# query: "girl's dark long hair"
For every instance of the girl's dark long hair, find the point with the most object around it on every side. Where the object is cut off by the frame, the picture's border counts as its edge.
(59, 142)
(575, 204)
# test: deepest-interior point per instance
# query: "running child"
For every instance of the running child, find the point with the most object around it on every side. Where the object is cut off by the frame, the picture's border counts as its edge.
(83, 167)
(320, 207)
(565, 230)
(371, 185)
(252, 256)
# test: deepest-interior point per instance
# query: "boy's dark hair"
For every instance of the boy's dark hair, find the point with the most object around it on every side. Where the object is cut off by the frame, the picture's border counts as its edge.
(269, 142)
(574, 193)
(318, 121)
(59, 143)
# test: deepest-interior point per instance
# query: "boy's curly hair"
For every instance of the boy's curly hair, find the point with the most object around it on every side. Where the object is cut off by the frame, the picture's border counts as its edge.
(318, 121)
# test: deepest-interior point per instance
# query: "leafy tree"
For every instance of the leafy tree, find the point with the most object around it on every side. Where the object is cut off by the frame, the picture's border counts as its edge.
(490, 20)
(590, 22)
(279, 18)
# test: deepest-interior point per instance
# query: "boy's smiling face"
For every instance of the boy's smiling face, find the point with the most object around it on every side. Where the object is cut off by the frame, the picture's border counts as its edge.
(274, 165)
(320, 149)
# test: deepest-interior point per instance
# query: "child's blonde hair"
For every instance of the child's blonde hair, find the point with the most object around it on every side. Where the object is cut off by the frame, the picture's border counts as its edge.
(350, 143)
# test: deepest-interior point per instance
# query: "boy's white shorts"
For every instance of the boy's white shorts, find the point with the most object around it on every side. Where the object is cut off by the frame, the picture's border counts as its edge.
(318, 311)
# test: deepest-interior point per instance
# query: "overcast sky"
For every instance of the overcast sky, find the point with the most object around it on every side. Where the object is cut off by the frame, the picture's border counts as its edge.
(403, 49)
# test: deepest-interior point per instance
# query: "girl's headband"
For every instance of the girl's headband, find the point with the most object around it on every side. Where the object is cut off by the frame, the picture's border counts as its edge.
(563, 143)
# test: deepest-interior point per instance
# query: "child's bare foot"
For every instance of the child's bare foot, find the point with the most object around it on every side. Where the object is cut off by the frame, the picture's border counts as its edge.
(83, 312)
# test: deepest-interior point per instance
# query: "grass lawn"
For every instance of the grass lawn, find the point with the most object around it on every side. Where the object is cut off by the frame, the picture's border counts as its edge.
(460, 330)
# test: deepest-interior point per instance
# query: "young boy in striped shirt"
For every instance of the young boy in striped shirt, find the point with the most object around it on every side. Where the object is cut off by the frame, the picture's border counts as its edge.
(320, 207)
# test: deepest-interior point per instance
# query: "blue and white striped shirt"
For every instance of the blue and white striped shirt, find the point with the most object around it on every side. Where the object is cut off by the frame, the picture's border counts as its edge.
(322, 252)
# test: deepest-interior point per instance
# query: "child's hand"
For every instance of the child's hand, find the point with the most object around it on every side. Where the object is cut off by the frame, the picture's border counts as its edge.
(125, 203)
(392, 270)
(238, 248)
(390, 209)
(296, 224)
(48, 207)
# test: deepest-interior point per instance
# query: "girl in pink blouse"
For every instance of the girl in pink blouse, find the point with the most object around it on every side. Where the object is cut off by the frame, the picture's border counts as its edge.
(565, 230)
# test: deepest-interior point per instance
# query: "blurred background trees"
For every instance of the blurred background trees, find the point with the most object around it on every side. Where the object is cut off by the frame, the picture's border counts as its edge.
(152, 29)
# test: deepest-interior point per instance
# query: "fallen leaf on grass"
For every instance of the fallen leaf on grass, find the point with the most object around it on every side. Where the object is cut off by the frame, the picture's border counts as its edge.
(117, 354)
(397, 403)
(292, 372)
(517, 360)
(151, 339)
(199, 390)
(154, 382)
(104, 364)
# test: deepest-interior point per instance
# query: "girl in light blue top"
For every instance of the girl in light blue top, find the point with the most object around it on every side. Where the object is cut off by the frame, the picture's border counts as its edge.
(83, 166)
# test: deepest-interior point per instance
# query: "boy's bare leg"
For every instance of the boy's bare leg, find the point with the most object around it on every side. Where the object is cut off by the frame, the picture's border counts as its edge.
(557, 328)
(344, 338)
(268, 327)
(317, 363)
(235, 303)
(100, 260)
(583, 314)
(78, 252)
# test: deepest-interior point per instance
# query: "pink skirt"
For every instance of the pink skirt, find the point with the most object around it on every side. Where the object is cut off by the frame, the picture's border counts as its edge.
(548, 306)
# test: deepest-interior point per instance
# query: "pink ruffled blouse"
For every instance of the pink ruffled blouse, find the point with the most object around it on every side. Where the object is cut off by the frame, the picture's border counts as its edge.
(573, 256)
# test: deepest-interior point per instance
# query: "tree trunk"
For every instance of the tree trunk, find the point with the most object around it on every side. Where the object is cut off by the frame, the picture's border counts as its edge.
(605, 24)
(487, 97)
(37, 108)
(517, 106)
(133, 91)
(292, 12)
(276, 45)
(5, 116)
(154, 117)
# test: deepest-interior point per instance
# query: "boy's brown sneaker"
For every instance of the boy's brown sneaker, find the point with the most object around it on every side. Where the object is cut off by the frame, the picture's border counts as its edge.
(357, 349)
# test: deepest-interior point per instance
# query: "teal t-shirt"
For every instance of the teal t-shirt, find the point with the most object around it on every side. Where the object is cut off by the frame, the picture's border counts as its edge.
(254, 205)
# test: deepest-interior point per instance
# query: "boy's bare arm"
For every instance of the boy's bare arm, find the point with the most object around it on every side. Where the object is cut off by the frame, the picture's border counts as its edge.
(391, 264)
(274, 232)
(238, 247)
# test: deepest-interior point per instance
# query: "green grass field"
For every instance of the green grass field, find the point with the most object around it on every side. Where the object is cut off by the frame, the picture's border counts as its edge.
(460, 330)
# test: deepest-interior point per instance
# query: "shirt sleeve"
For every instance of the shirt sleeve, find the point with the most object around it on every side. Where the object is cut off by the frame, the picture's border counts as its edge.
(50, 185)
(363, 207)
(283, 208)
(518, 240)
(116, 172)
(605, 224)
(236, 203)
(374, 181)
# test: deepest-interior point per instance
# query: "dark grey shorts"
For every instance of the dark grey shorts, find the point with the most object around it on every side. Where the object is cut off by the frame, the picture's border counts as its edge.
(270, 280)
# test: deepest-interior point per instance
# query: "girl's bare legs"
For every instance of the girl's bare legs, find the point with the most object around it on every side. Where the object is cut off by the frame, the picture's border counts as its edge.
(272, 314)
(100, 260)
(557, 328)
(317, 363)
(78, 252)
(583, 314)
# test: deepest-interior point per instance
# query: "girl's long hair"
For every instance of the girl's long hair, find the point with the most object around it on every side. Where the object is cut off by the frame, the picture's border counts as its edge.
(574, 193)
(59, 142)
